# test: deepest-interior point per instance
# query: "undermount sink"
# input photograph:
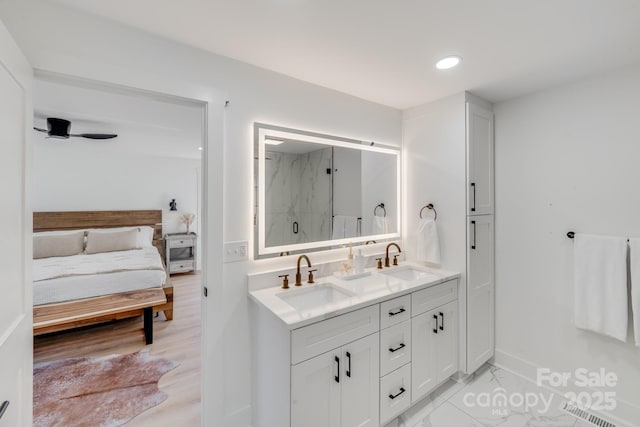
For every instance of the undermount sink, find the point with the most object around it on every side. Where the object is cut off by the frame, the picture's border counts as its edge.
(313, 296)
(407, 274)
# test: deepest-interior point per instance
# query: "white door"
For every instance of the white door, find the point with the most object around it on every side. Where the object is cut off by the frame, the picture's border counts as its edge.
(480, 291)
(479, 160)
(361, 383)
(447, 342)
(315, 391)
(424, 334)
(16, 121)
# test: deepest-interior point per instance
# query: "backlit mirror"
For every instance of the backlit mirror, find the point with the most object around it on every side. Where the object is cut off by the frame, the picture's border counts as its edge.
(320, 191)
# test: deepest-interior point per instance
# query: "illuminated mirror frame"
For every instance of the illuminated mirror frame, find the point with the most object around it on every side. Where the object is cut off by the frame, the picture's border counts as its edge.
(264, 132)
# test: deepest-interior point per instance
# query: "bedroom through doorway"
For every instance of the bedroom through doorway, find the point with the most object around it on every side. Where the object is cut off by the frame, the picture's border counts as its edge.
(118, 245)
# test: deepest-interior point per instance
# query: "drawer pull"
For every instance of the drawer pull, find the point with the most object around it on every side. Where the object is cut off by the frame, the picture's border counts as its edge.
(3, 407)
(393, 396)
(349, 366)
(401, 346)
(394, 313)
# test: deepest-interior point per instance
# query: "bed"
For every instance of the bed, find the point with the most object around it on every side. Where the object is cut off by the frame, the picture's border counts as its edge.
(101, 284)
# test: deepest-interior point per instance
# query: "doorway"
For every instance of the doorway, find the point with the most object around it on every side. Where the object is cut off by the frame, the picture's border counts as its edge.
(158, 157)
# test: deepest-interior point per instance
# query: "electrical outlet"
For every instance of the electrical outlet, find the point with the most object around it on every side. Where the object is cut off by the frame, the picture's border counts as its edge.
(235, 251)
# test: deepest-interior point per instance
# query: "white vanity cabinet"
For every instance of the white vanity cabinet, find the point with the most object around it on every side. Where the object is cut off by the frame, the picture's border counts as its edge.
(434, 338)
(356, 369)
(337, 388)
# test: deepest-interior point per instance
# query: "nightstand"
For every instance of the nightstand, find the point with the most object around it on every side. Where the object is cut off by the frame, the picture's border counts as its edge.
(180, 252)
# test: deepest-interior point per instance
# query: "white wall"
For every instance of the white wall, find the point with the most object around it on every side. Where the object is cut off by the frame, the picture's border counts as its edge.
(79, 176)
(61, 40)
(566, 159)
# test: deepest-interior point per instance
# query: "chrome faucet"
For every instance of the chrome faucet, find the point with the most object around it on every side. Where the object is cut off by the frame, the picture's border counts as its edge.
(395, 259)
(299, 276)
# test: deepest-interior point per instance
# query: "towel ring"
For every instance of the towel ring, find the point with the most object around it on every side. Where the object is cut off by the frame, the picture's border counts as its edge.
(381, 205)
(430, 206)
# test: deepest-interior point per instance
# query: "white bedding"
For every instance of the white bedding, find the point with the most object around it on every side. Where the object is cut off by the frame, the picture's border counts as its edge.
(84, 276)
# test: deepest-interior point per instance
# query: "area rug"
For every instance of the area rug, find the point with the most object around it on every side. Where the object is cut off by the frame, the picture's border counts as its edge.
(105, 391)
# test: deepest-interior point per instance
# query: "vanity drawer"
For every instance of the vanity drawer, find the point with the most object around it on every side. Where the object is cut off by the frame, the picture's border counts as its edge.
(395, 347)
(180, 266)
(433, 297)
(327, 335)
(395, 311)
(395, 393)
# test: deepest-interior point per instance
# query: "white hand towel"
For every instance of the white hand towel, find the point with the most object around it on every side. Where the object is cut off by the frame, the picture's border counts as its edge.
(380, 225)
(600, 284)
(428, 241)
(635, 286)
(338, 227)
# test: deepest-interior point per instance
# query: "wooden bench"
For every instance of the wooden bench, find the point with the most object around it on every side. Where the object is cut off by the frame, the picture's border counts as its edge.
(72, 314)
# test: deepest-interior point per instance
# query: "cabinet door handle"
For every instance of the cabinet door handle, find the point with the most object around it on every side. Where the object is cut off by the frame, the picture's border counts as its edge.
(441, 321)
(3, 408)
(473, 224)
(349, 365)
(473, 188)
(337, 377)
(394, 313)
(393, 396)
(393, 350)
(295, 227)
(436, 328)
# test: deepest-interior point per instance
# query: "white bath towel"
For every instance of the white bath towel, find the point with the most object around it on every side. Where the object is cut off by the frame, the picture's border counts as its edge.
(600, 284)
(428, 242)
(380, 225)
(634, 260)
(344, 226)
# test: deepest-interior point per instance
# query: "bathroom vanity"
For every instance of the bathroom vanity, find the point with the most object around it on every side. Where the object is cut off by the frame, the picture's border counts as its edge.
(353, 352)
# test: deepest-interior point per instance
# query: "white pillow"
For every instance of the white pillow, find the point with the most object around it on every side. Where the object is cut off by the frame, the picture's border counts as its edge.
(111, 242)
(144, 237)
(57, 232)
(57, 245)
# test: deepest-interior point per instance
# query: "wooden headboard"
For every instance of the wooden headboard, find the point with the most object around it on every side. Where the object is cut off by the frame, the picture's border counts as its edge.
(51, 221)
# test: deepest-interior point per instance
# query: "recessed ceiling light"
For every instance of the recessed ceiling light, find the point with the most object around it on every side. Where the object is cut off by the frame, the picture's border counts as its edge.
(448, 62)
(200, 148)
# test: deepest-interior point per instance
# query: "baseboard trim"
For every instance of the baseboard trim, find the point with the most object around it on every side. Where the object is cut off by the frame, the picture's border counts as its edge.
(526, 369)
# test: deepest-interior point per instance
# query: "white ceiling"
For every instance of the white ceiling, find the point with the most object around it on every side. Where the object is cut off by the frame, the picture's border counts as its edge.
(145, 126)
(385, 51)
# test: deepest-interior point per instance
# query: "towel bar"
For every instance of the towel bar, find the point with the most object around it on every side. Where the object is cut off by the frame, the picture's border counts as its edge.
(430, 206)
(381, 205)
(572, 234)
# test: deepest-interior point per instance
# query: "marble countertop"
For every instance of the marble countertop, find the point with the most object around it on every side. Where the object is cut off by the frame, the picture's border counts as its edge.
(360, 292)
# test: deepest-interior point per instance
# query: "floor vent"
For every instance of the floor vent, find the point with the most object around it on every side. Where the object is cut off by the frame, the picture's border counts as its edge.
(584, 415)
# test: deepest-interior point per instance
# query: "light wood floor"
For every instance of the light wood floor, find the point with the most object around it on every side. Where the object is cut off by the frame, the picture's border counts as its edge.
(178, 340)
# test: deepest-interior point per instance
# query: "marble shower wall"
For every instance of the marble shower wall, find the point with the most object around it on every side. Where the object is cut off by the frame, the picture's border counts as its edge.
(298, 189)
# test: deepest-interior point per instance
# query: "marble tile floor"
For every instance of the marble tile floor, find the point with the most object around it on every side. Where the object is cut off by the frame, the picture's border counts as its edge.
(465, 404)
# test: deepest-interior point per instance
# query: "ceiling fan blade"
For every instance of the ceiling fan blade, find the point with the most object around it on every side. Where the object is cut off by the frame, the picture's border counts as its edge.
(96, 135)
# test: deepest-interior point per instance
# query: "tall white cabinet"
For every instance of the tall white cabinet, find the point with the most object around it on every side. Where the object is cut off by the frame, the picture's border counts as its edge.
(480, 298)
(449, 160)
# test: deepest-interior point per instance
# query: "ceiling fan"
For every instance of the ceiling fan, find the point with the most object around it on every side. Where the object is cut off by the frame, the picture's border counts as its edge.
(59, 128)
